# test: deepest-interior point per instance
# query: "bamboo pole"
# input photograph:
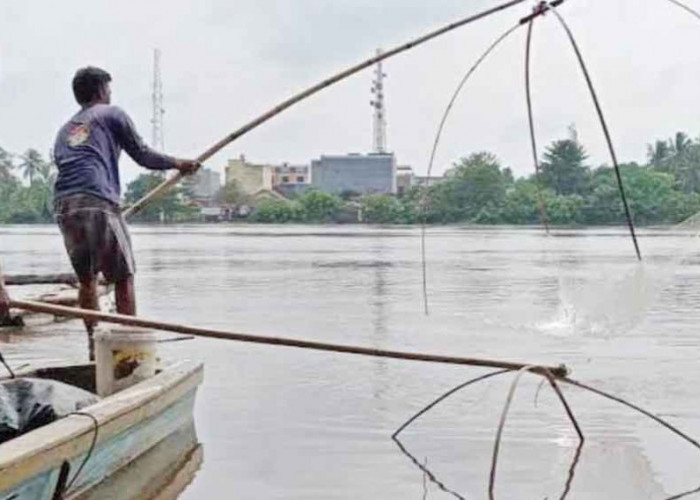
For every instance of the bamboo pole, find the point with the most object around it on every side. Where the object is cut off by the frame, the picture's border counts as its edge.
(557, 371)
(41, 279)
(168, 183)
(45, 279)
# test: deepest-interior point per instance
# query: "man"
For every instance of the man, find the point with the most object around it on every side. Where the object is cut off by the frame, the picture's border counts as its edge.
(87, 190)
(4, 300)
(5, 318)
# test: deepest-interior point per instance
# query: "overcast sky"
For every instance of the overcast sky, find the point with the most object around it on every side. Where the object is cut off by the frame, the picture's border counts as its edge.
(225, 62)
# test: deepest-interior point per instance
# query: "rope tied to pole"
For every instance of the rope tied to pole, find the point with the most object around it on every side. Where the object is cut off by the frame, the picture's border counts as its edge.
(438, 135)
(603, 123)
(540, 9)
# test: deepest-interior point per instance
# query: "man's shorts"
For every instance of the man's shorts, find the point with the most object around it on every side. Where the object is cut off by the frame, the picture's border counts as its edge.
(96, 237)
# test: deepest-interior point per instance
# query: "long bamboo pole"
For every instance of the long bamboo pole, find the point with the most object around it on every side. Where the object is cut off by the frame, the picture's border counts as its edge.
(557, 371)
(168, 183)
(42, 279)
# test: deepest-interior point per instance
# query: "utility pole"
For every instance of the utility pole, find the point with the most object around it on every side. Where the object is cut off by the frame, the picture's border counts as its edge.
(157, 140)
(377, 103)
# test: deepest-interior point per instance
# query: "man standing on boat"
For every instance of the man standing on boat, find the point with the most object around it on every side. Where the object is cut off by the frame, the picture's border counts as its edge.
(87, 190)
(4, 300)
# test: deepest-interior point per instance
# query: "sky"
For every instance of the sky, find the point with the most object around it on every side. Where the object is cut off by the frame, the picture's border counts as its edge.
(225, 62)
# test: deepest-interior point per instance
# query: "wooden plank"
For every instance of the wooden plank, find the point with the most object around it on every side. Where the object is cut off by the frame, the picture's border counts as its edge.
(44, 279)
(64, 297)
(41, 279)
(69, 296)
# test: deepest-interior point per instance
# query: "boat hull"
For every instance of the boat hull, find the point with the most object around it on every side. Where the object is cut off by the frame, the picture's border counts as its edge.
(145, 438)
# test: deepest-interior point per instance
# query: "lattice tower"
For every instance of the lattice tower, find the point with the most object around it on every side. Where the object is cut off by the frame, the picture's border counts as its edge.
(157, 137)
(377, 102)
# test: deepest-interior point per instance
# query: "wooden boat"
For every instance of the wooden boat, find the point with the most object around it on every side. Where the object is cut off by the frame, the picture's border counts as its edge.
(145, 443)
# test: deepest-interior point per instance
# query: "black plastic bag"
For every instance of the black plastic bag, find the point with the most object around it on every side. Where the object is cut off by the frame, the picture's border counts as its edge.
(29, 403)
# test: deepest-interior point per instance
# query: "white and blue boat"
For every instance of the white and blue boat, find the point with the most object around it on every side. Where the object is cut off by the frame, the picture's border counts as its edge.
(139, 443)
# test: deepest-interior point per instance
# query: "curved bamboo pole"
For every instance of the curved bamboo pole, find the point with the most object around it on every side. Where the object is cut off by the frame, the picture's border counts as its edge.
(167, 184)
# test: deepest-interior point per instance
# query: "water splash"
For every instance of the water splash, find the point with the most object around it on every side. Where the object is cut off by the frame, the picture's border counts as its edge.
(603, 307)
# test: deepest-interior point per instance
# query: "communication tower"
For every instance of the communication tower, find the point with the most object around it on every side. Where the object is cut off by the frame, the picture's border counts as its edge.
(377, 103)
(157, 140)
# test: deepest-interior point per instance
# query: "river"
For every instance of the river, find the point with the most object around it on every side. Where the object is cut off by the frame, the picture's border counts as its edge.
(283, 423)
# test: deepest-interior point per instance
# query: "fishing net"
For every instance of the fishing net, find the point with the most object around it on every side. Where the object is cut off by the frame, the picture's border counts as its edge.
(615, 299)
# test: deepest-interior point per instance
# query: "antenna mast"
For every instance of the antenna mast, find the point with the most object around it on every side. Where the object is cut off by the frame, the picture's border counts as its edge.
(157, 140)
(379, 110)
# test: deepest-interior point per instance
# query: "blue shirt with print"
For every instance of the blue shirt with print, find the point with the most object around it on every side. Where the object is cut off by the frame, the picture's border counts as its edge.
(87, 153)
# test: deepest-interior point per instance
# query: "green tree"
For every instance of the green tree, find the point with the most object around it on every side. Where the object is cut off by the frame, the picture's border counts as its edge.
(680, 143)
(382, 209)
(565, 209)
(277, 211)
(319, 206)
(6, 166)
(653, 197)
(680, 157)
(22, 204)
(563, 167)
(659, 154)
(686, 169)
(231, 194)
(521, 202)
(474, 191)
(32, 164)
(169, 207)
(47, 172)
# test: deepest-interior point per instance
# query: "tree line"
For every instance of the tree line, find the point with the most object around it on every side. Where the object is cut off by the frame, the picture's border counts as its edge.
(477, 189)
(26, 187)
(26, 192)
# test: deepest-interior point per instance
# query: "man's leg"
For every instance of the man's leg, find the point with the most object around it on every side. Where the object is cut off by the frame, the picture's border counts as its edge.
(126, 299)
(87, 296)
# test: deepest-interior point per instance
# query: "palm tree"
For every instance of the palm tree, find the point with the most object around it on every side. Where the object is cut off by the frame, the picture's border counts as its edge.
(32, 164)
(6, 166)
(47, 172)
(659, 153)
(680, 143)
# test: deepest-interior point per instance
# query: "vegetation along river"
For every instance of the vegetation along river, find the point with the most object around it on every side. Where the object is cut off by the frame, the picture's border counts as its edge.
(283, 423)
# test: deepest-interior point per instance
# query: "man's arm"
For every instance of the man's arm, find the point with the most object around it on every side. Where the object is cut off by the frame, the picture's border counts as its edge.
(130, 140)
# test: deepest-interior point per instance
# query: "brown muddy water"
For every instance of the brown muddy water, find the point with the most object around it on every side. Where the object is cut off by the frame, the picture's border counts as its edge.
(281, 423)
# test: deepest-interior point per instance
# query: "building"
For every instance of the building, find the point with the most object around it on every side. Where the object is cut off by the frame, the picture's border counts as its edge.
(404, 179)
(267, 194)
(287, 174)
(291, 180)
(355, 173)
(425, 181)
(203, 185)
(250, 177)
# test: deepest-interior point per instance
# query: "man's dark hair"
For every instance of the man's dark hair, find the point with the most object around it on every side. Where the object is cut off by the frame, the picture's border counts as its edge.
(87, 83)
